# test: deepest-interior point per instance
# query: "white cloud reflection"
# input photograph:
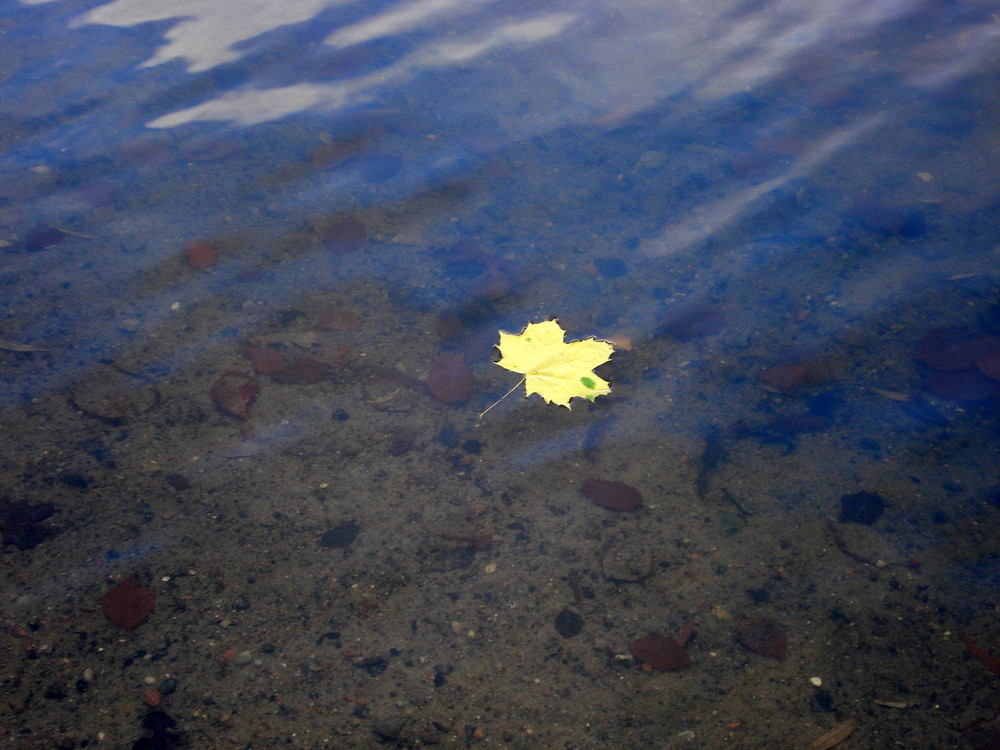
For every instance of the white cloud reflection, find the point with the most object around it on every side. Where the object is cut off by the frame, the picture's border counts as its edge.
(207, 31)
(713, 217)
(607, 59)
(249, 106)
(398, 20)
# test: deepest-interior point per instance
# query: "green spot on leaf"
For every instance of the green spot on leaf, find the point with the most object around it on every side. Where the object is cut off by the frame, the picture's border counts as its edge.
(588, 382)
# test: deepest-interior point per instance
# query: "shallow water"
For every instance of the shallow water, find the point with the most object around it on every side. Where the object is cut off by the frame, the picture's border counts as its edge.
(257, 256)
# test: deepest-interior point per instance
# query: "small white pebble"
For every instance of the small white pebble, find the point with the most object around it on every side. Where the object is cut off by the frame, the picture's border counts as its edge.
(816, 681)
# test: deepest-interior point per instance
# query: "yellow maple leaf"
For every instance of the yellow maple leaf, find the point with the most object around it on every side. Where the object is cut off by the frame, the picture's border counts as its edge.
(552, 368)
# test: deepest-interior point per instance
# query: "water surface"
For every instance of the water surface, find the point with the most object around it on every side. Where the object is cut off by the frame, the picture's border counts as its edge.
(256, 259)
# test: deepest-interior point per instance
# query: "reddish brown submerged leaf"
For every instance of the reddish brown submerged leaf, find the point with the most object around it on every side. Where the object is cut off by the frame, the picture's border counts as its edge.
(964, 386)
(100, 397)
(128, 603)
(339, 357)
(983, 734)
(200, 255)
(835, 736)
(338, 319)
(763, 637)
(660, 652)
(692, 321)
(612, 495)
(233, 391)
(450, 326)
(345, 235)
(989, 364)
(248, 391)
(450, 380)
(264, 360)
(491, 284)
(301, 371)
(947, 349)
(793, 374)
(988, 660)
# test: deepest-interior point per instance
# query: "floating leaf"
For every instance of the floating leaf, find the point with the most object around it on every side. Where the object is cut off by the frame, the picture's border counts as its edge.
(552, 368)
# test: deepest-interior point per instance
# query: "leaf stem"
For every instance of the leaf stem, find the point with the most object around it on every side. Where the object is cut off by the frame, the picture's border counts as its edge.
(501, 398)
